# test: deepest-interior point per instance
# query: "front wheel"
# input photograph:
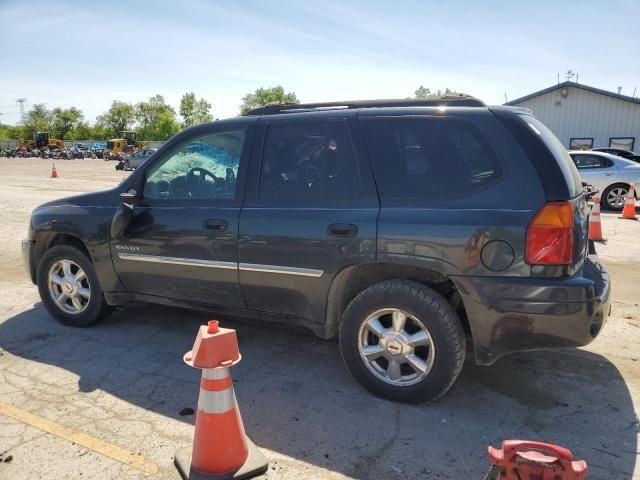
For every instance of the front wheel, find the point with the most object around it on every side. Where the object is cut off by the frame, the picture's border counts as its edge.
(68, 287)
(403, 341)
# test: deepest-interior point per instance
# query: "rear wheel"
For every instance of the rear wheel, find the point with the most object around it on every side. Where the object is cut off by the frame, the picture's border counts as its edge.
(68, 287)
(403, 341)
(613, 197)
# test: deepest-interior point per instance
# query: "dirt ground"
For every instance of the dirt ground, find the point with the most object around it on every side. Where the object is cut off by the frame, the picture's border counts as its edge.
(121, 386)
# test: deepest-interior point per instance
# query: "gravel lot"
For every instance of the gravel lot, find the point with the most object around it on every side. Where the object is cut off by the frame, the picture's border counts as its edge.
(124, 382)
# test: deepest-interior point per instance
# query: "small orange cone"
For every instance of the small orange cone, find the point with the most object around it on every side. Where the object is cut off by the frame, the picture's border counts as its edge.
(595, 226)
(629, 210)
(54, 173)
(221, 448)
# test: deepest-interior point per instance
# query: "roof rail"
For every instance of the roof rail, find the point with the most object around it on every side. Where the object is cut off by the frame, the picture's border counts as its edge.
(450, 100)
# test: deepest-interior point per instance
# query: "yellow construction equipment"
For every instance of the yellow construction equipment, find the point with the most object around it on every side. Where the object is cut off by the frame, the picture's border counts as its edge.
(41, 140)
(126, 143)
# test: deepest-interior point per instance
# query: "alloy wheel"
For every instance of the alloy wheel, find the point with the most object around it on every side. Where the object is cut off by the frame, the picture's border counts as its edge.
(617, 196)
(69, 287)
(396, 347)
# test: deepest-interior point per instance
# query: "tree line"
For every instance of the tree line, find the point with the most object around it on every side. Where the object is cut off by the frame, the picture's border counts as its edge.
(153, 119)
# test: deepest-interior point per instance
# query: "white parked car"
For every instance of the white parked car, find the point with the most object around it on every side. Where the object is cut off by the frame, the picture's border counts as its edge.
(610, 174)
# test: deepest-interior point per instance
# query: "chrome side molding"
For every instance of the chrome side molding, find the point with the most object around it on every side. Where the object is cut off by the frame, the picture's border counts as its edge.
(247, 267)
(177, 261)
(304, 272)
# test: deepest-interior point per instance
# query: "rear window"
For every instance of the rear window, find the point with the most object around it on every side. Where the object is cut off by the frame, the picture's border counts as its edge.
(591, 161)
(558, 151)
(429, 157)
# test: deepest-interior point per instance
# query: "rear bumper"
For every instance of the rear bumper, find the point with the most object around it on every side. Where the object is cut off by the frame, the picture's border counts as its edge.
(515, 314)
(27, 247)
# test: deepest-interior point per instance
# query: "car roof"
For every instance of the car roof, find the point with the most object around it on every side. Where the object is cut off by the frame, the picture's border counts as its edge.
(594, 152)
(616, 149)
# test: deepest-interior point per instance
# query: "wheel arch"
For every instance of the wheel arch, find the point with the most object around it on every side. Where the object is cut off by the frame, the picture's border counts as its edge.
(620, 183)
(353, 279)
(44, 240)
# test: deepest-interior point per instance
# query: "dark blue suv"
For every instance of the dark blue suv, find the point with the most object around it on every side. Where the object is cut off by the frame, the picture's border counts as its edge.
(404, 227)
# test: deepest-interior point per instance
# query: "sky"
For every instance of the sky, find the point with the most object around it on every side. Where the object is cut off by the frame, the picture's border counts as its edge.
(87, 54)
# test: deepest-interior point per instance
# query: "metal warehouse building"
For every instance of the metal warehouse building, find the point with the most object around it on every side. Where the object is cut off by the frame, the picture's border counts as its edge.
(585, 117)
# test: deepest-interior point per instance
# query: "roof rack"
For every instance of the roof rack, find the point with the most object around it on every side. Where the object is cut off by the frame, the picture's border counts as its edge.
(451, 100)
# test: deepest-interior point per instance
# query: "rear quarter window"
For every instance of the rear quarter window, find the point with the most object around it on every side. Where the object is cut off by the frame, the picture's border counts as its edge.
(428, 158)
(566, 164)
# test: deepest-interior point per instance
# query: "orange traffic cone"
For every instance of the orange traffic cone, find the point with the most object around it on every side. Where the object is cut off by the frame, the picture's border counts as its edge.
(629, 210)
(221, 448)
(595, 226)
(54, 173)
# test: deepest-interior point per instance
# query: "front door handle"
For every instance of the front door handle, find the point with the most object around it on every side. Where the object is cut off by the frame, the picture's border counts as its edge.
(342, 230)
(216, 224)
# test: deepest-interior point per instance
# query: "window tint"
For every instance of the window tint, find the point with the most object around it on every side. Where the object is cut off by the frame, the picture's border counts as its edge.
(429, 157)
(309, 161)
(569, 170)
(201, 168)
(591, 161)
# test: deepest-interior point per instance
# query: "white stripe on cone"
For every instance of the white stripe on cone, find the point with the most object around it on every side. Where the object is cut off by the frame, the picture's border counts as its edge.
(215, 373)
(217, 402)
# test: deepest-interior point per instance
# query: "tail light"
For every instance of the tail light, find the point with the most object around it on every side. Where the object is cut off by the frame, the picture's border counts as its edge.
(549, 239)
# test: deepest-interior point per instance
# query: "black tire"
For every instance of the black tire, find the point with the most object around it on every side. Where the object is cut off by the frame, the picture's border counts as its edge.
(435, 313)
(96, 308)
(605, 202)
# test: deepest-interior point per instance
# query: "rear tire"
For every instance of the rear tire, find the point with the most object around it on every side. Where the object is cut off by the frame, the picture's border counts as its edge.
(415, 363)
(612, 196)
(69, 288)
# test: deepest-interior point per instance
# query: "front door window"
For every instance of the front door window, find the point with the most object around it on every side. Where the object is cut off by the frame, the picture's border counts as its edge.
(204, 167)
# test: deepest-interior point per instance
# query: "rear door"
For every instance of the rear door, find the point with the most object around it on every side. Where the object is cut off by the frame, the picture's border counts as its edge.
(310, 211)
(597, 170)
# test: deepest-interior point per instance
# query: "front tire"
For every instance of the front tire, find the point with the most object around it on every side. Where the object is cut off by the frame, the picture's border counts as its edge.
(69, 288)
(403, 341)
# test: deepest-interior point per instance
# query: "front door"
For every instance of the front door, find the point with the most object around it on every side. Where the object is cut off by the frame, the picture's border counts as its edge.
(182, 242)
(310, 212)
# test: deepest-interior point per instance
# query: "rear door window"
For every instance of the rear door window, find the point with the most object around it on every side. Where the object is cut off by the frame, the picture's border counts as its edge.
(308, 162)
(429, 157)
(591, 161)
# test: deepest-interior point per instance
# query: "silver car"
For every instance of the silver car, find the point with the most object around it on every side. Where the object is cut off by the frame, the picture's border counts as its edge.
(140, 157)
(610, 174)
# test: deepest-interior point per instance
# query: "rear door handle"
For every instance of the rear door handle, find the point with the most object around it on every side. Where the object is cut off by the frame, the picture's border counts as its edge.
(342, 230)
(216, 224)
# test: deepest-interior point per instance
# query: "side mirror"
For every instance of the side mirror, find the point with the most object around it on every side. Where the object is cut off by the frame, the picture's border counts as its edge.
(124, 214)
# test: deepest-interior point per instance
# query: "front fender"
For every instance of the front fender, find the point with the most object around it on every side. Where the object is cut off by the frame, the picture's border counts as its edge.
(55, 224)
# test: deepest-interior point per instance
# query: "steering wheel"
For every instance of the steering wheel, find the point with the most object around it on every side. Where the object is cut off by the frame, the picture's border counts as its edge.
(197, 183)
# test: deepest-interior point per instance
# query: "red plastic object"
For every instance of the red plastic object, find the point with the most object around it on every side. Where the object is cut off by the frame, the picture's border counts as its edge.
(525, 460)
(214, 347)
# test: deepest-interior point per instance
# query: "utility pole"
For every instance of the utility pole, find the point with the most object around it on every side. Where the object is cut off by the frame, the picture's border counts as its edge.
(21, 102)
